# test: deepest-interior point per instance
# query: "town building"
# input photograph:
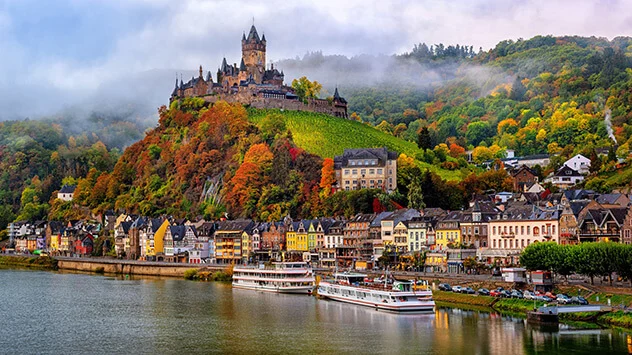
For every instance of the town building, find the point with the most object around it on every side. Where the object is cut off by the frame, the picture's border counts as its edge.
(366, 168)
(228, 240)
(523, 178)
(579, 163)
(565, 177)
(66, 193)
(448, 232)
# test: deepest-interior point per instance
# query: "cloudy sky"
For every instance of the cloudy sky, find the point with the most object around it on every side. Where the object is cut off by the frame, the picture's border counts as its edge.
(56, 54)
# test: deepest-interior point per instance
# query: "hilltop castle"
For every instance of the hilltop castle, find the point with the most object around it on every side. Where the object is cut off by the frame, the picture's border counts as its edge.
(252, 84)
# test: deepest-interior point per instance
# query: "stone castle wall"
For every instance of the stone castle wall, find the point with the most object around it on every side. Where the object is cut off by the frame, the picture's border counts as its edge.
(313, 105)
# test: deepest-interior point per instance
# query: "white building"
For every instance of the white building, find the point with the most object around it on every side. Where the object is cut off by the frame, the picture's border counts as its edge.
(66, 193)
(579, 163)
(566, 177)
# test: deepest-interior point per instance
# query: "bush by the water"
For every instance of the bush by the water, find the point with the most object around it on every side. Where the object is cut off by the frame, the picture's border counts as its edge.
(40, 262)
(225, 275)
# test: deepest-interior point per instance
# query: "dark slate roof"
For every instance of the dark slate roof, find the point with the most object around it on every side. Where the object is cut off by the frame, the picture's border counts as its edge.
(578, 205)
(608, 199)
(178, 232)
(253, 36)
(567, 171)
(381, 154)
(235, 225)
(126, 226)
(56, 226)
(242, 65)
(366, 217)
(578, 194)
(523, 168)
(139, 223)
(434, 212)
(272, 74)
(339, 98)
(67, 189)
(155, 224)
(619, 214)
(209, 77)
(377, 221)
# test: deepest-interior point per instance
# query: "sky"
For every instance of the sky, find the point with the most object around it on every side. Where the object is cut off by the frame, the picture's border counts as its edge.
(63, 53)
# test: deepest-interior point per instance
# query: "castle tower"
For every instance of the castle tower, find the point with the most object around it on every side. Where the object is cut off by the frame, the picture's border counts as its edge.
(253, 54)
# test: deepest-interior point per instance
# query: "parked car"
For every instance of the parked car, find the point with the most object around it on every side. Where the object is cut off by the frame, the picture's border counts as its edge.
(483, 292)
(445, 287)
(551, 295)
(516, 294)
(468, 290)
(457, 289)
(528, 295)
(579, 300)
(495, 293)
(505, 294)
(563, 299)
(545, 298)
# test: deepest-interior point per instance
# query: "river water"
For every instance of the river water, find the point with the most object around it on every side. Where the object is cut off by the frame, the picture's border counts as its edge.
(60, 313)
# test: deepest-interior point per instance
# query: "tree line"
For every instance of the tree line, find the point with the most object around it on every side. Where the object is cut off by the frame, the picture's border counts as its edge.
(588, 259)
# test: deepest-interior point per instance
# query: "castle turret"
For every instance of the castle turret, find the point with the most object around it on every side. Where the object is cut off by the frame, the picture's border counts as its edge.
(175, 89)
(253, 53)
(209, 77)
(201, 71)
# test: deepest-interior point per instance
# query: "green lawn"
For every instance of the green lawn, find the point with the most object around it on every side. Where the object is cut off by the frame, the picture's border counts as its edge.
(328, 136)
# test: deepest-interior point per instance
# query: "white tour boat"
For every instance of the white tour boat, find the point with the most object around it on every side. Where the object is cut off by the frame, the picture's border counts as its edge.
(287, 277)
(400, 297)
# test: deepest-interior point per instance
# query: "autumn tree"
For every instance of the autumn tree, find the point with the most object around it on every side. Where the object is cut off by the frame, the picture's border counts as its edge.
(415, 194)
(328, 176)
(306, 89)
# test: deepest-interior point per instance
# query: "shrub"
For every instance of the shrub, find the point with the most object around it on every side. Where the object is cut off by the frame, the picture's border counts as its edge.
(190, 274)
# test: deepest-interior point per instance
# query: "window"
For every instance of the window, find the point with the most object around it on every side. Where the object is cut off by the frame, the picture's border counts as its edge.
(379, 182)
(363, 171)
(380, 171)
(371, 171)
(494, 230)
(521, 229)
(354, 171)
(494, 243)
(346, 171)
(347, 182)
(352, 163)
(553, 229)
(528, 230)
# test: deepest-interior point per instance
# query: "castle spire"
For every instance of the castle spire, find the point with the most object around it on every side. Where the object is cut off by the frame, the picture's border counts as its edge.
(242, 65)
(263, 38)
(243, 36)
(201, 71)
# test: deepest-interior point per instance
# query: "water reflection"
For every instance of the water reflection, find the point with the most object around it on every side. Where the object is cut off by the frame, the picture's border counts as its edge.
(45, 312)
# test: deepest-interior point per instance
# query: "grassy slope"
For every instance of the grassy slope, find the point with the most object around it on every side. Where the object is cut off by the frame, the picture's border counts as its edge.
(328, 136)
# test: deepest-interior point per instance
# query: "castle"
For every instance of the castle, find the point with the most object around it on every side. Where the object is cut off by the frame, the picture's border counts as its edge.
(252, 84)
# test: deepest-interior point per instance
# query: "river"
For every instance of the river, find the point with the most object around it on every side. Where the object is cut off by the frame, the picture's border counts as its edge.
(45, 312)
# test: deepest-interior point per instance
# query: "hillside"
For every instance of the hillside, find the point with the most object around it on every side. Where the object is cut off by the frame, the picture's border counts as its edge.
(327, 136)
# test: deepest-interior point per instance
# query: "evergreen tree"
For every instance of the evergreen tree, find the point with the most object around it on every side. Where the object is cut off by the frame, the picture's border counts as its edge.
(415, 194)
(612, 154)
(517, 90)
(424, 141)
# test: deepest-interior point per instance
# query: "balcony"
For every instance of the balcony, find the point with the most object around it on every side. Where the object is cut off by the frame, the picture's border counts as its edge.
(600, 233)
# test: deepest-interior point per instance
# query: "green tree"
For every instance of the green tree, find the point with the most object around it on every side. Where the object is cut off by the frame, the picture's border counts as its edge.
(306, 89)
(424, 140)
(415, 194)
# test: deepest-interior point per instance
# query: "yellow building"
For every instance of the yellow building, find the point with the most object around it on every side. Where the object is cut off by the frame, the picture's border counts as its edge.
(159, 239)
(448, 232)
(298, 235)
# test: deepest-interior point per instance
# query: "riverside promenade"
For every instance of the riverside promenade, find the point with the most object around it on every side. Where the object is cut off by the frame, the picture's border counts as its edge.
(130, 267)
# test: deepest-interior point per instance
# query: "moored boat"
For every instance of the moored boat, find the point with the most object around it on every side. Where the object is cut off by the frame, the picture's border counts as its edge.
(286, 277)
(399, 297)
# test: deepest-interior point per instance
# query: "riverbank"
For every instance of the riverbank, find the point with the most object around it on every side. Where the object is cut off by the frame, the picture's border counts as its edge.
(37, 262)
(520, 307)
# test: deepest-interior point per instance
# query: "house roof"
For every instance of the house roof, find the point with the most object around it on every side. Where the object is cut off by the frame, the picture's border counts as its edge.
(382, 155)
(236, 225)
(67, 189)
(609, 199)
(178, 232)
(523, 168)
(567, 171)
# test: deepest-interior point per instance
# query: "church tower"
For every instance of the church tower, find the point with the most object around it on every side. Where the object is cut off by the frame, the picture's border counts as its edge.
(253, 54)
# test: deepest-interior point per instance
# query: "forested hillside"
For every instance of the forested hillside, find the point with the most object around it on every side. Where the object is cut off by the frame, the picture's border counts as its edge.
(556, 95)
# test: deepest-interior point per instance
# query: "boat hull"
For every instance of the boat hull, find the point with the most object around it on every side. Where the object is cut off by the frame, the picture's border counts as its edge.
(306, 290)
(325, 291)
